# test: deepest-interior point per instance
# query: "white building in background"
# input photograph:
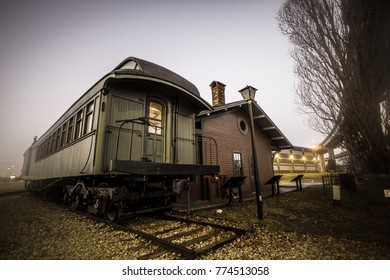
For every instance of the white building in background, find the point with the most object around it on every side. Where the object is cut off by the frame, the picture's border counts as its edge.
(297, 160)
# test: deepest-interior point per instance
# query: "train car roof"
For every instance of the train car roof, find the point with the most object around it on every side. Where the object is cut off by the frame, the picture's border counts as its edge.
(136, 67)
(143, 68)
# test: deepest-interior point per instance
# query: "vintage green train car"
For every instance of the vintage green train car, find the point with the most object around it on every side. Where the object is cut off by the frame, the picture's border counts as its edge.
(125, 146)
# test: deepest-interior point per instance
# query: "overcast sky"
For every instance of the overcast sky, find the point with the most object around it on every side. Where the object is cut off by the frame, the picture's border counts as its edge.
(51, 52)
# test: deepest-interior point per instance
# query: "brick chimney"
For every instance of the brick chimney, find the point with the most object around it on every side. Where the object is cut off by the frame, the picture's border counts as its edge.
(218, 93)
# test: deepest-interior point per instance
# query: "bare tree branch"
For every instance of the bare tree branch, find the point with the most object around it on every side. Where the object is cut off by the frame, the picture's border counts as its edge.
(342, 58)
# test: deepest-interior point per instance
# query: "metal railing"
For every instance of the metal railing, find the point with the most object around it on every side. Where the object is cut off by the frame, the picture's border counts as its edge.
(346, 181)
(207, 150)
(142, 121)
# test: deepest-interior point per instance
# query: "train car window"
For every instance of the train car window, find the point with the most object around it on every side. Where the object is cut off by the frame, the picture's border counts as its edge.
(63, 137)
(156, 110)
(46, 147)
(58, 138)
(39, 152)
(70, 130)
(49, 144)
(79, 124)
(133, 65)
(88, 118)
(53, 142)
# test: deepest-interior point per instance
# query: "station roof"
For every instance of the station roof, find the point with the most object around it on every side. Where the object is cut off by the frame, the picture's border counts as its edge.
(261, 120)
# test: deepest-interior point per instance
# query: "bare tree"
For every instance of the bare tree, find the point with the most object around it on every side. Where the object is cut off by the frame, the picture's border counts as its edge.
(315, 29)
(340, 50)
(367, 83)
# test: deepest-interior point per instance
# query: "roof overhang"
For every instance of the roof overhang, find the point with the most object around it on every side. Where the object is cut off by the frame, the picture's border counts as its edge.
(278, 140)
(261, 120)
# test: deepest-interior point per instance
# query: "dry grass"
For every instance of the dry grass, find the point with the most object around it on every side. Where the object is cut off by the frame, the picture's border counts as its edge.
(308, 219)
(296, 225)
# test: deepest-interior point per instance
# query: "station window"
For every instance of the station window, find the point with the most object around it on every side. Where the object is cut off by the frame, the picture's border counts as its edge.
(156, 110)
(237, 164)
(242, 126)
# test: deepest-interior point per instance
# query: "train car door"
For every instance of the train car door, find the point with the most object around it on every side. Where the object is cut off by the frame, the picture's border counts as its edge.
(126, 142)
(155, 131)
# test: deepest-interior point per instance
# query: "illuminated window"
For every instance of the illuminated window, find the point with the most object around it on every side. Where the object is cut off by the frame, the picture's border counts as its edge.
(156, 110)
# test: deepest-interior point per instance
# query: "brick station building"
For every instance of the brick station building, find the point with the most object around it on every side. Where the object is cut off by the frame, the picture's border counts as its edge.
(226, 138)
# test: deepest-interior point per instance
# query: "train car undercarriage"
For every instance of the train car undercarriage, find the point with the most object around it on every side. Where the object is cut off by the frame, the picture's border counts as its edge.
(114, 203)
(114, 197)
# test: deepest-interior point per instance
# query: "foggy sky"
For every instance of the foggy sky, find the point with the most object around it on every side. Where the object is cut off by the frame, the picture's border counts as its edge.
(52, 52)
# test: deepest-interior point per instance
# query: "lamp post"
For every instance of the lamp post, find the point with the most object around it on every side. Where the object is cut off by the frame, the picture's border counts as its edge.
(248, 93)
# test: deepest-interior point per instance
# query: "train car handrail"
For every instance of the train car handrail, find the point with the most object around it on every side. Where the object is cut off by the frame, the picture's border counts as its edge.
(142, 121)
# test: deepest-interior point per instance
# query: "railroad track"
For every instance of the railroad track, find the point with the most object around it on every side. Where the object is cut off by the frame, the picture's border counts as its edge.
(171, 236)
(185, 238)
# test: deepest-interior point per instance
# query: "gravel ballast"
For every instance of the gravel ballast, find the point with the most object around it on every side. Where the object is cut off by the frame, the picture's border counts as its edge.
(298, 225)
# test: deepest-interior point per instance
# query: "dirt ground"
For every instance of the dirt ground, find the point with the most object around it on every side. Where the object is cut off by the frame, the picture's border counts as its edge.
(311, 212)
(304, 225)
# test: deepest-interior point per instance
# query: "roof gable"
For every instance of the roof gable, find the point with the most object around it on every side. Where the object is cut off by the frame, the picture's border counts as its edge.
(261, 120)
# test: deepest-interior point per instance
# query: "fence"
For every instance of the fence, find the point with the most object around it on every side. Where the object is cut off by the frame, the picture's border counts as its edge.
(346, 181)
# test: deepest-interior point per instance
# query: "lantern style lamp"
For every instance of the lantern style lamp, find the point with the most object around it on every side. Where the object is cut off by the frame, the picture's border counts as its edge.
(249, 93)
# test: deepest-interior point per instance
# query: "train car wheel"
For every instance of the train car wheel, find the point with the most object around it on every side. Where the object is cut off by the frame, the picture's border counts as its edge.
(75, 201)
(75, 198)
(65, 198)
(111, 211)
